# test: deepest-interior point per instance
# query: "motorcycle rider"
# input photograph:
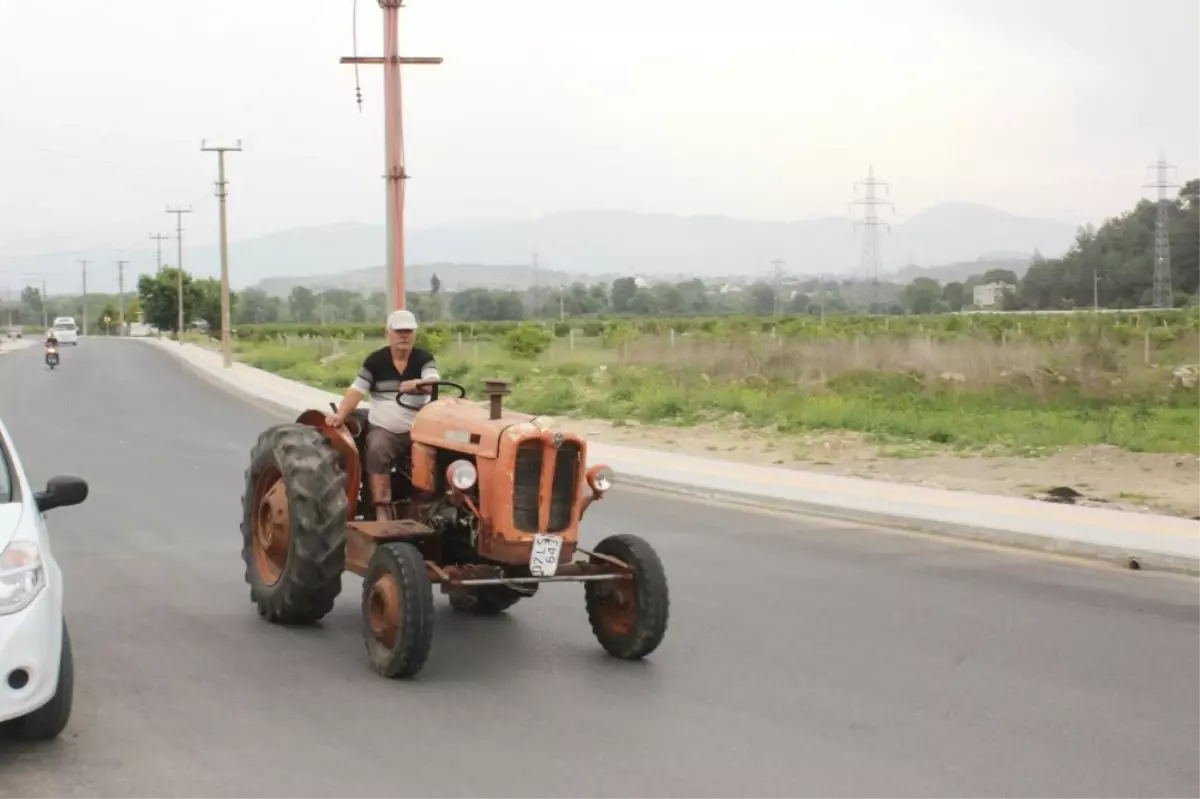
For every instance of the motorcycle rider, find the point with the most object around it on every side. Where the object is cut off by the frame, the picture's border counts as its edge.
(51, 340)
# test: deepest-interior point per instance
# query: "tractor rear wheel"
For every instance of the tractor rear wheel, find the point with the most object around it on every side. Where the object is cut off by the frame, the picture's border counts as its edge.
(294, 524)
(629, 617)
(397, 610)
(488, 600)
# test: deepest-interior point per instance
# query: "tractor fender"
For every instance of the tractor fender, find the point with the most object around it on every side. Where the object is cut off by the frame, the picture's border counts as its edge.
(342, 441)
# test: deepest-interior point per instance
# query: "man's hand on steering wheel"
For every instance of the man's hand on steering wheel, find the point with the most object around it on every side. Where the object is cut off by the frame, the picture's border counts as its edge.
(415, 386)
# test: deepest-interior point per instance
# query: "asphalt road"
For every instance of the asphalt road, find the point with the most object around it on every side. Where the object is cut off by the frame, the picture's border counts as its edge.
(803, 657)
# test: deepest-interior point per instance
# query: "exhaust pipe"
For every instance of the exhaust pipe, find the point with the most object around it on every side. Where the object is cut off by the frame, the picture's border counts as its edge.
(496, 388)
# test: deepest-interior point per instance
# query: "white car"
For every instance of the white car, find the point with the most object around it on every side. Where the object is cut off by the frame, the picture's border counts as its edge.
(37, 676)
(65, 331)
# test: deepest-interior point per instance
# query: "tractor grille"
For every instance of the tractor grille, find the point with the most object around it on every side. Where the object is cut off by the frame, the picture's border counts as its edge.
(563, 490)
(527, 479)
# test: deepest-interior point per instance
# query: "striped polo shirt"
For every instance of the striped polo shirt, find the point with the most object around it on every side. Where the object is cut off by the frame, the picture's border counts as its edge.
(379, 379)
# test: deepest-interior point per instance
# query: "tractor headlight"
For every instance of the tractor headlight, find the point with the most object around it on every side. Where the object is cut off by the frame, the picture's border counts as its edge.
(600, 479)
(22, 576)
(461, 475)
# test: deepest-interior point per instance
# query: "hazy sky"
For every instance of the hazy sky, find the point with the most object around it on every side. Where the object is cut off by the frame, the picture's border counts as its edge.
(753, 108)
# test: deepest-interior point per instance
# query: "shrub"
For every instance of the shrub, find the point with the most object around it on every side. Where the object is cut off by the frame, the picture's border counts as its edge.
(527, 341)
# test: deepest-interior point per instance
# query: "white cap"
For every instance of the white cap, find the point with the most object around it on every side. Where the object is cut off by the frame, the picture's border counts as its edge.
(401, 320)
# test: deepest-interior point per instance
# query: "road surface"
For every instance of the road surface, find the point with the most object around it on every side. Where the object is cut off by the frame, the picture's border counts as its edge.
(803, 657)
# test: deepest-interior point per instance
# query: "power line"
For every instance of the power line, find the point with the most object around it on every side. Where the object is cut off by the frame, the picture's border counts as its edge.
(179, 212)
(394, 142)
(1162, 234)
(222, 193)
(870, 263)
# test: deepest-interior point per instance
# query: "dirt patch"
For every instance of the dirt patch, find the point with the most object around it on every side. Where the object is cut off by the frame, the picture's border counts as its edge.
(1106, 476)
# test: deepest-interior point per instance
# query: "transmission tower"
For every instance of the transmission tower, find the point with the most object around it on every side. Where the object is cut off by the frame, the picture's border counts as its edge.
(1162, 236)
(870, 264)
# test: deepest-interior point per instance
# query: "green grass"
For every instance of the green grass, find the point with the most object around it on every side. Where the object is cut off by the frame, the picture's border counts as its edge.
(1005, 400)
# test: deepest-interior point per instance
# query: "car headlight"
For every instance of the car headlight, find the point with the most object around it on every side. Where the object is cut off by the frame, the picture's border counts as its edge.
(22, 576)
(461, 475)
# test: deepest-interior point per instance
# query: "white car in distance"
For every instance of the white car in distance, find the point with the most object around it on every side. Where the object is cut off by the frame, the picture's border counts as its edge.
(37, 676)
(65, 331)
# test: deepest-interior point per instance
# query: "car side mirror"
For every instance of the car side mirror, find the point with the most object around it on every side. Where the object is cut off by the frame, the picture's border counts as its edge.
(62, 490)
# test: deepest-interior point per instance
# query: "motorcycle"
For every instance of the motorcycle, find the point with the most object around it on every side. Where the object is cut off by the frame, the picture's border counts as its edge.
(51, 356)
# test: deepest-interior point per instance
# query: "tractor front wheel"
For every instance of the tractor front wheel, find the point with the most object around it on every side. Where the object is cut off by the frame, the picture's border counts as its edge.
(629, 617)
(294, 524)
(397, 610)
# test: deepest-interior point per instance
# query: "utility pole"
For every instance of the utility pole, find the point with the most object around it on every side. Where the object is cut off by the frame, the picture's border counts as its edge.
(537, 308)
(394, 143)
(121, 295)
(226, 345)
(85, 319)
(870, 263)
(1095, 288)
(159, 239)
(179, 212)
(1162, 235)
(778, 278)
(8, 291)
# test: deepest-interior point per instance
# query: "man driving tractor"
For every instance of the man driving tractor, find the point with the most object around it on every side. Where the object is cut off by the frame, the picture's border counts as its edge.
(398, 368)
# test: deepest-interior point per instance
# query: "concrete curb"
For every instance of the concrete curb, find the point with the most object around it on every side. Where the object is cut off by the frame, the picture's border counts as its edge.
(1121, 556)
(1126, 557)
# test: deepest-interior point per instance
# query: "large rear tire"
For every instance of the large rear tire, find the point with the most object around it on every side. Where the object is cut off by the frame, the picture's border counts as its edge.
(629, 617)
(294, 524)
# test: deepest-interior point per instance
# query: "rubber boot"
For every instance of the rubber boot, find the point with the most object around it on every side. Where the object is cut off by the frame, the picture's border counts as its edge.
(381, 494)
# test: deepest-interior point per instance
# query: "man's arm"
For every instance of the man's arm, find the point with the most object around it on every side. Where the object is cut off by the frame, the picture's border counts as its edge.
(360, 388)
(428, 372)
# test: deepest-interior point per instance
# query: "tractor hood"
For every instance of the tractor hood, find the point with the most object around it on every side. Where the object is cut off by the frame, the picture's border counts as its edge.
(467, 426)
(10, 520)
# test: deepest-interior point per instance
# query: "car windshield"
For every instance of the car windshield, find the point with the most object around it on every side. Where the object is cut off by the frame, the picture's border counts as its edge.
(63, 326)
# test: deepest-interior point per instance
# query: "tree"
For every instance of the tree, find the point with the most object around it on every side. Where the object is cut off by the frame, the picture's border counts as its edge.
(435, 285)
(954, 294)
(302, 304)
(158, 295)
(921, 295)
(760, 299)
(623, 290)
(108, 320)
(255, 306)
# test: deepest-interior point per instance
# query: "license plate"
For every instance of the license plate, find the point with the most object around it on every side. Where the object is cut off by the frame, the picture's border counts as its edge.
(543, 559)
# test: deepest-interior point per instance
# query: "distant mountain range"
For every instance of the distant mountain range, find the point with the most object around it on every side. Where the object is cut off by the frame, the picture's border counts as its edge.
(948, 273)
(595, 245)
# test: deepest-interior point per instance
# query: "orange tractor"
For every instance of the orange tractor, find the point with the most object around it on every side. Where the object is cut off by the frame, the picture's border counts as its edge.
(487, 506)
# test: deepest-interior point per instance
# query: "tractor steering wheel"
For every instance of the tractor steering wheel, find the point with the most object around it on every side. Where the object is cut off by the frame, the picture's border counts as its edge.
(433, 395)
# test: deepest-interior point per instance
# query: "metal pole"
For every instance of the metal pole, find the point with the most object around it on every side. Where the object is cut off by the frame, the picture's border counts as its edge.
(226, 340)
(85, 314)
(393, 144)
(121, 296)
(159, 239)
(179, 212)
